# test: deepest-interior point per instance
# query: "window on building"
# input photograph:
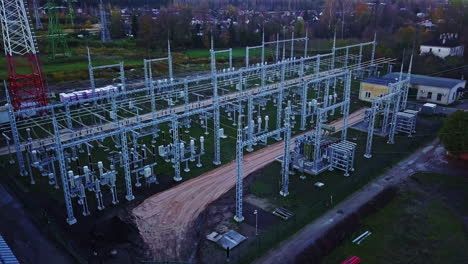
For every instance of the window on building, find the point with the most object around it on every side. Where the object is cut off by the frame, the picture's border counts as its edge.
(439, 96)
(429, 95)
(368, 94)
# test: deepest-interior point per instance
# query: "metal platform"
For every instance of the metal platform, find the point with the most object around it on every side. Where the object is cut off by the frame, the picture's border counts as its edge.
(406, 123)
(230, 239)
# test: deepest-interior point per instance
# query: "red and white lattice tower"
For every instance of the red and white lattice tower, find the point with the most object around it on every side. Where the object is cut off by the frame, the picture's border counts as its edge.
(25, 80)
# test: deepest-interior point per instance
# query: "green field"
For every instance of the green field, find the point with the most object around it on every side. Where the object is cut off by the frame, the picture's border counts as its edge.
(419, 226)
(74, 68)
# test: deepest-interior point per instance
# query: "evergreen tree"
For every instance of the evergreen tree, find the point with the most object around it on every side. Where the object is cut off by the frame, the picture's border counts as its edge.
(135, 26)
(116, 27)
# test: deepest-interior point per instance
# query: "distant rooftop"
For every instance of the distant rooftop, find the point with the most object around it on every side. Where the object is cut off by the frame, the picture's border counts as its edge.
(445, 40)
(380, 80)
(6, 255)
(417, 79)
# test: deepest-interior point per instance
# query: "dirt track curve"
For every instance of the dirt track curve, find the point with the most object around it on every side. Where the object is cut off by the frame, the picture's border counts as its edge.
(165, 220)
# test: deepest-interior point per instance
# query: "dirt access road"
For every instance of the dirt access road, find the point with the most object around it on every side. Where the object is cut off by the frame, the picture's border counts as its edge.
(430, 158)
(165, 221)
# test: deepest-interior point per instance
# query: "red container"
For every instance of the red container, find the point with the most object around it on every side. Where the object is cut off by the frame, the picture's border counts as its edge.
(352, 260)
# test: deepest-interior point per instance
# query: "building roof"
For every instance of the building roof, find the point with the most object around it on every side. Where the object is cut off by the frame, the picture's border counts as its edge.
(380, 80)
(451, 44)
(432, 81)
(445, 40)
(6, 255)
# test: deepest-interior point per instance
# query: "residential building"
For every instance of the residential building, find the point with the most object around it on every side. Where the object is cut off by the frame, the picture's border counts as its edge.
(446, 45)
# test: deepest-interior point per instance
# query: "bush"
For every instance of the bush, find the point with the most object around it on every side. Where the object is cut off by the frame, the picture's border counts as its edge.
(454, 133)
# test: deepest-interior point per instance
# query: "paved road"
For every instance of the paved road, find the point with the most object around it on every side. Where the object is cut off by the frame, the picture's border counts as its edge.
(25, 239)
(441, 109)
(430, 158)
(165, 220)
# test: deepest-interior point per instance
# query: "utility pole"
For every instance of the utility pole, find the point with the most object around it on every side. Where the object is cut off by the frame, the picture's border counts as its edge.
(287, 153)
(216, 117)
(71, 13)
(239, 171)
(105, 33)
(36, 14)
(256, 222)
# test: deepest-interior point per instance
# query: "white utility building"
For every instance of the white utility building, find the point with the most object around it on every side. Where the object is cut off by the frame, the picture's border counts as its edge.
(442, 91)
(446, 45)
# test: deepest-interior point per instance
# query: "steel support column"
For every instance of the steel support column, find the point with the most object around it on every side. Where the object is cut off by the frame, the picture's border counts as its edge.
(286, 154)
(126, 166)
(370, 130)
(304, 106)
(63, 172)
(216, 117)
(176, 145)
(239, 172)
(347, 99)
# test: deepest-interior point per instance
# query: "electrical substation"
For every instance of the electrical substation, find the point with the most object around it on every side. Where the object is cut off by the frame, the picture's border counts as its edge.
(103, 143)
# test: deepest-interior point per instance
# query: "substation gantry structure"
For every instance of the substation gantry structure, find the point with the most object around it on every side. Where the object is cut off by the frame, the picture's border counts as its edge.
(316, 151)
(124, 128)
(56, 36)
(392, 108)
(71, 13)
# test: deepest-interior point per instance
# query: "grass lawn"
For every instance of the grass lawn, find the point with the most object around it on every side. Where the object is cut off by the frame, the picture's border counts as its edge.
(417, 227)
(76, 67)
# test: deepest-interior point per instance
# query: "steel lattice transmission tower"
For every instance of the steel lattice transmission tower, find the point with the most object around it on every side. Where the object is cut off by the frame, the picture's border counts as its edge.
(26, 88)
(56, 36)
(71, 13)
(36, 14)
(105, 34)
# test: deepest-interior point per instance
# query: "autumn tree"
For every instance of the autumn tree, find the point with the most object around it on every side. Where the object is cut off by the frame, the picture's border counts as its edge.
(406, 36)
(135, 26)
(299, 28)
(329, 14)
(116, 26)
(146, 33)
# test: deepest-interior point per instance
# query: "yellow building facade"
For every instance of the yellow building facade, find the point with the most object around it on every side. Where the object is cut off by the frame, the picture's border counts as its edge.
(371, 89)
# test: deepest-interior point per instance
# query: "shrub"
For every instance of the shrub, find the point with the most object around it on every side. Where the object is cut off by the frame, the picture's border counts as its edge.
(454, 133)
